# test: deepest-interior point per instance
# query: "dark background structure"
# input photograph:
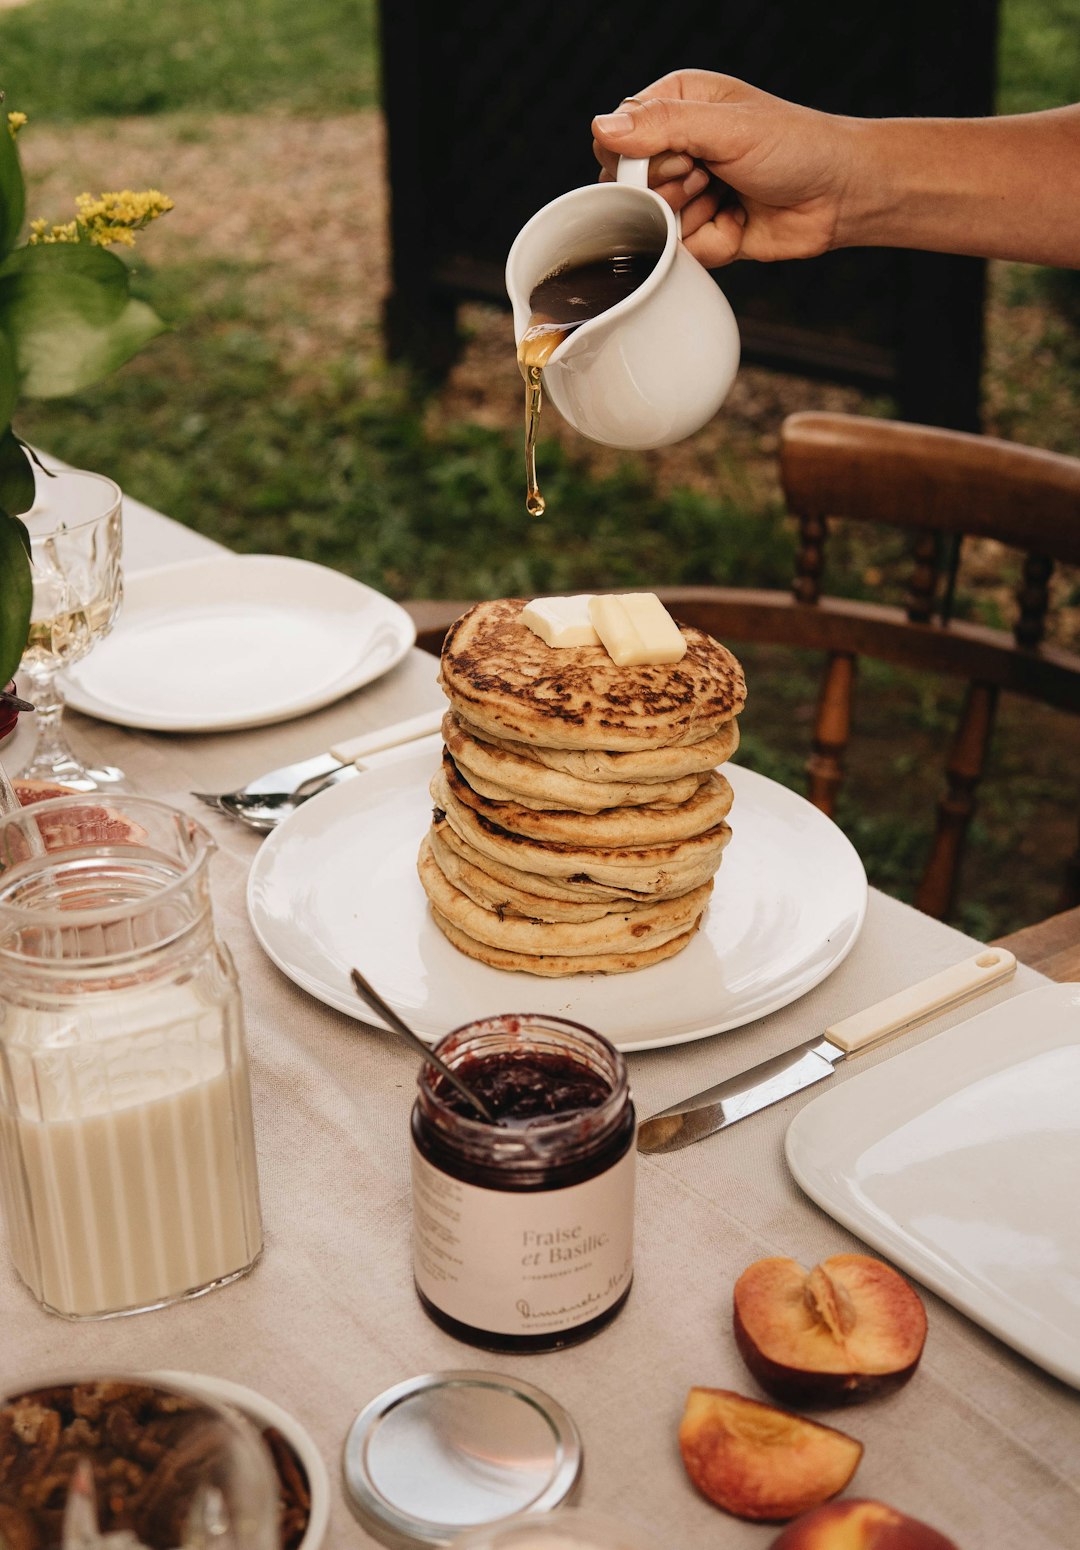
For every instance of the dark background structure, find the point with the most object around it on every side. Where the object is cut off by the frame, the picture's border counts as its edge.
(488, 107)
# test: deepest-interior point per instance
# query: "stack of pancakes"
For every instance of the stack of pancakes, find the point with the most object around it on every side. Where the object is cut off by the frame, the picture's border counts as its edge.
(579, 814)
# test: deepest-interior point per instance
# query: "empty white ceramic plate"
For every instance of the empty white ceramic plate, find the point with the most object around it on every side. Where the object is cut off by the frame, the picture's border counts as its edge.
(237, 641)
(960, 1160)
(336, 886)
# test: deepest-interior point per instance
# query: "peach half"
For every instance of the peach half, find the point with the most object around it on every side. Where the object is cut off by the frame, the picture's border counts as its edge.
(759, 1462)
(855, 1524)
(848, 1330)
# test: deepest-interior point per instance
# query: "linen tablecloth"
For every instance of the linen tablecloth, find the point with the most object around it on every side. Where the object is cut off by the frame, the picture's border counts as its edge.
(981, 1443)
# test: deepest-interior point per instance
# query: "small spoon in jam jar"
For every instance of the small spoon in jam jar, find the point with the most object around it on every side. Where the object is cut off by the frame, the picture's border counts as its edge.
(387, 1013)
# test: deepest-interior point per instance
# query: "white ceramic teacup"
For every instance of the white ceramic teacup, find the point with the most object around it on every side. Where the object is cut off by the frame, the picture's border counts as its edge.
(657, 365)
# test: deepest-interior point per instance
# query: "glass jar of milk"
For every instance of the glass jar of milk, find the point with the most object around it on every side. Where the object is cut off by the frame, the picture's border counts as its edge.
(127, 1158)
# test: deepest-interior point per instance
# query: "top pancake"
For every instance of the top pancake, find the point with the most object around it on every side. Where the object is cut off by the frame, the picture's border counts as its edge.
(506, 681)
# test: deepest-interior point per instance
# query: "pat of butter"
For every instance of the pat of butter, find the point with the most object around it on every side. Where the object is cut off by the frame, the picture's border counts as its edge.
(561, 621)
(636, 628)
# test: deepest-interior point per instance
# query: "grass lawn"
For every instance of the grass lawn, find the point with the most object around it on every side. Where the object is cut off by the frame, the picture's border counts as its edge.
(67, 60)
(269, 418)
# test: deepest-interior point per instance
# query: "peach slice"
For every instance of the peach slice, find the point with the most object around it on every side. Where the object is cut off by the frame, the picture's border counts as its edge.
(845, 1331)
(759, 1462)
(859, 1525)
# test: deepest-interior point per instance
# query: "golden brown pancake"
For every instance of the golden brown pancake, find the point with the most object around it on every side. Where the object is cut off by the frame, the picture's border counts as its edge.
(600, 764)
(554, 966)
(644, 869)
(544, 885)
(506, 776)
(619, 930)
(642, 825)
(505, 680)
(508, 897)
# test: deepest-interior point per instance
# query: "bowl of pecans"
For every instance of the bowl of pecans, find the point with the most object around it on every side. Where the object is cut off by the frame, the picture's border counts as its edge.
(156, 1462)
(304, 1482)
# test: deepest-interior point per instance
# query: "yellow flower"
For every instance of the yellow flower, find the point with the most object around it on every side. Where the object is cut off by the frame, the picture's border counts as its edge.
(41, 231)
(15, 122)
(106, 219)
(116, 217)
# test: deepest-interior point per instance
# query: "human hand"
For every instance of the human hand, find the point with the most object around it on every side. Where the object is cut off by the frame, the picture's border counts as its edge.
(753, 176)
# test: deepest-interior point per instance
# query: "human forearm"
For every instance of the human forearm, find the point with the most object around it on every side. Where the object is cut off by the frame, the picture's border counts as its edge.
(998, 187)
(771, 179)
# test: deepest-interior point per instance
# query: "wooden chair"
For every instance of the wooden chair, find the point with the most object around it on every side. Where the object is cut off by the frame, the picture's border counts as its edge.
(941, 486)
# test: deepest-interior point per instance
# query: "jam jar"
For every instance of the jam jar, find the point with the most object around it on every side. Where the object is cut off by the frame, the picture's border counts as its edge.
(523, 1229)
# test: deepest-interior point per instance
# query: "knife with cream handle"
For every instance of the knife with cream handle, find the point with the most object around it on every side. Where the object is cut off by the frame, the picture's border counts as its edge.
(732, 1100)
(293, 777)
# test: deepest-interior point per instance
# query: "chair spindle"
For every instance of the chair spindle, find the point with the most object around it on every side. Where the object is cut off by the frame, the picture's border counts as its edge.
(1033, 598)
(967, 759)
(924, 576)
(832, 729)
(810, 561)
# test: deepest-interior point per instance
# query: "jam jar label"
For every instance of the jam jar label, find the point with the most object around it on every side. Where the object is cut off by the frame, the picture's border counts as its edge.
(523, 1262)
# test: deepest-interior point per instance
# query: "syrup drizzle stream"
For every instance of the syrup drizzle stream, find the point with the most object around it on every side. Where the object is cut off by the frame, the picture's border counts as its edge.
(538, 343)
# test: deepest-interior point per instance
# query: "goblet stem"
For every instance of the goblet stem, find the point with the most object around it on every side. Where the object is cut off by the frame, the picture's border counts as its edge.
(52, 759)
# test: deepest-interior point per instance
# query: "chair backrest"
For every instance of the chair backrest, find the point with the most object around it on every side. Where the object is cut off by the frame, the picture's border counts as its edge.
(941, 486)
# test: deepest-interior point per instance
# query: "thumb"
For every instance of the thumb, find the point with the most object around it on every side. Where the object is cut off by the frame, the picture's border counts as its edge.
(704, 130)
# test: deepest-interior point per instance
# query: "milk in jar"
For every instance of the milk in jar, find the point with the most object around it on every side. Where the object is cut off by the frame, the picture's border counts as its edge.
(127, 1161)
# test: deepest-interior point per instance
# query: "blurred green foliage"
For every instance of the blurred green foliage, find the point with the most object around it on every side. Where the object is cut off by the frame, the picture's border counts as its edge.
(73, 59)
(1038, 55)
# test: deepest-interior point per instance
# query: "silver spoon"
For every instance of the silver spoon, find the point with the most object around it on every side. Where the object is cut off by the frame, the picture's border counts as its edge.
(264, 810)
(377, 1004)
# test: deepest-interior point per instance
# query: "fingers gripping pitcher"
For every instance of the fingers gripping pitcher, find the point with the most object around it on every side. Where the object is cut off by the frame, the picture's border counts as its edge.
(127, 1159)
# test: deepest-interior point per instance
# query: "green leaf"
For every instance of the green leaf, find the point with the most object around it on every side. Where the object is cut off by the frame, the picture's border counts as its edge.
(12, 191)
(17, 485)
(9, 380)
(67, 311)
(16, 593)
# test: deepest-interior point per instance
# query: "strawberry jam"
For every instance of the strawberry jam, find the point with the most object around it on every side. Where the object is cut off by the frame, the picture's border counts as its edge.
(523, 1229)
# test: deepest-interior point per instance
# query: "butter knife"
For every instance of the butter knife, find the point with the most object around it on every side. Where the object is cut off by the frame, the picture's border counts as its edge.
(293, 777)
(727, 1102)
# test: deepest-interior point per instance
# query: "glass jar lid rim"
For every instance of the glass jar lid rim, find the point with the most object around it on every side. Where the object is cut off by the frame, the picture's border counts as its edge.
(399, 1420)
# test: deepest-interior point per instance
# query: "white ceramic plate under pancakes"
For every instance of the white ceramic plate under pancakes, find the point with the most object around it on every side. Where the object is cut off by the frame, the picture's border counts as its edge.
(236, 641)
(336, 886)
(959, 1159)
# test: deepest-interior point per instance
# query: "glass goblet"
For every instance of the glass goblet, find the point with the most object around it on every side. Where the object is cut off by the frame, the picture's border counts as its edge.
(75, 539)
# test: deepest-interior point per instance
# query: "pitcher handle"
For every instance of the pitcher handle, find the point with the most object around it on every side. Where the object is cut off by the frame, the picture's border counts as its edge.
(634, 171)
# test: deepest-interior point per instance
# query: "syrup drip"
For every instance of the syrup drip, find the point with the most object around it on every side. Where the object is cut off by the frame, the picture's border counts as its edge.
(538, 342)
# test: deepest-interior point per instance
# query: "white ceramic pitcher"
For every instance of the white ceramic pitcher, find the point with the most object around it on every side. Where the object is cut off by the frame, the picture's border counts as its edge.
(657, 365)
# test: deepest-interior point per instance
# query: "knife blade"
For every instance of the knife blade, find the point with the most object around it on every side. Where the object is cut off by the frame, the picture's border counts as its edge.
(749, 1091)
(294, 777)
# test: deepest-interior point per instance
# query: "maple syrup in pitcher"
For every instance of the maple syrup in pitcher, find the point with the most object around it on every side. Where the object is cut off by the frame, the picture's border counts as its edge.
(559, 304)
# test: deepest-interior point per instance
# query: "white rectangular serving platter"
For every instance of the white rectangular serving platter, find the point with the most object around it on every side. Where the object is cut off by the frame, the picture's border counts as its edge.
(960, 1160)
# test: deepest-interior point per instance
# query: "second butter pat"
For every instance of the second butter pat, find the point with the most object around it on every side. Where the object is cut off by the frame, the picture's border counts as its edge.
(637, 629)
